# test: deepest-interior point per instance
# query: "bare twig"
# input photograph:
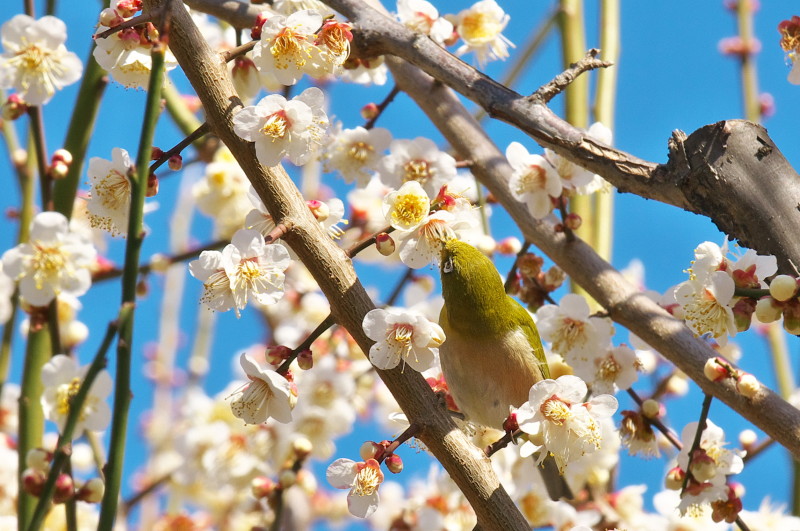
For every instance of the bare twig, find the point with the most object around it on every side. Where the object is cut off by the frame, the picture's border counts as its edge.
(550, 90)
(180, 146)
(382, 107)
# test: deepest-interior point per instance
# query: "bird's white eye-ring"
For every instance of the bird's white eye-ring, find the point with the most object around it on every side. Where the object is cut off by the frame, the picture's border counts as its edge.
(448, 265)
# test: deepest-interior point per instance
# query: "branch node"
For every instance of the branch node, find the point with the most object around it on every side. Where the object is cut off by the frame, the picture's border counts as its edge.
(550, 90)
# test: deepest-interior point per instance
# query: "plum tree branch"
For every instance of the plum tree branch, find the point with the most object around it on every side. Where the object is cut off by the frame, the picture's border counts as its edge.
(625, 305)
(334, 273)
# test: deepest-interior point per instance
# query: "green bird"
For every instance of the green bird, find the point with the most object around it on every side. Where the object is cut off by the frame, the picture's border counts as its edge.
(492, 353)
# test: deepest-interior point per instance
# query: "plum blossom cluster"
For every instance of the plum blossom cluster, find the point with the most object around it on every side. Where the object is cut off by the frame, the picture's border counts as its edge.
(300, 43)
(245, 269)
(125, 54)
(35, 62)
(584, 341)
(708, 300)
(708, 469)
(540, 181)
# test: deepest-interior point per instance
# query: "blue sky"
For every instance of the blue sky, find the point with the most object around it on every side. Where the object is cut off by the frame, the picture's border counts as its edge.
(671, 76)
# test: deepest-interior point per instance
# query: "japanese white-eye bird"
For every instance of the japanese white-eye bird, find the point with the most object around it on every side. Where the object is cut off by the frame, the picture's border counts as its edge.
(492, 353)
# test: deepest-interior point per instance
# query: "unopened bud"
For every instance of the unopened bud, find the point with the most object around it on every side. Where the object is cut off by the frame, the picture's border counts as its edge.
(302, 447)
(747, 438)
(61, 155)
(255, 31)
(320, 209)
(370, 450)
(674, 479)
(160, 263)
(510, 425)
(175, 162)
(58, 171)
(394, 464)
(748, 385)
(277, 354)
(791, 316)
(110, 18)
(716, 369)
(385, 244)
(766, 104)
(262, 487)
(152, 185)
(33, 481)
(783, 287)
(370, 111)
(156, 153)
(128, 8)
(554, 278)
(38, 459)
(573, 221)
(287, 478)
(767, 311)
(703, 466)
(65, 488)
(651, 408)
(509, 246)
(486, 244)
(305, 360)
(92, 491)
(14, 107)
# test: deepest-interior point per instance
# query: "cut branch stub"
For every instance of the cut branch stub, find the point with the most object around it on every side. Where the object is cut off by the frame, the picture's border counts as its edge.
(732, 172)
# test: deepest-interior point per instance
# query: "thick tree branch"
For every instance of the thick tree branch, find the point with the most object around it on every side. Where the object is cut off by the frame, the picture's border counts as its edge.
(607, 286)
(237, 13)
(334, 273)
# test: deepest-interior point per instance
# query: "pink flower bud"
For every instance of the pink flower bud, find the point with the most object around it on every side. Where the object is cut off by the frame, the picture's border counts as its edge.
(394, 464)
(92, 491)
(370, 450)
(156, 153)
(320, 209)
(573, 221)
(385, 244)
(110, 18)
(65, 488)
(305, 360)
(175, 162)
(369, 111)
(152, 185)
(33, 481)
(262, 487)
(38, 459)
(14, 107)
(716, 369)
(255, 31)
(747, 385)
(510, 425)
(703, 466)
(674, 479)
(509, 246)
(791, 316)
(128, 8)
(277, 354)
(767, 104)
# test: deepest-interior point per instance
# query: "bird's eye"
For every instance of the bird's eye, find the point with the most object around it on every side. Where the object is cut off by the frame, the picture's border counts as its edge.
(448, 265)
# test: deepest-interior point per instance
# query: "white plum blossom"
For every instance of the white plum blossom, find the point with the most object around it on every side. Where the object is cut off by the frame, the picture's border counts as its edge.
(110, 192)
(556, 415)
(407, 208)
(707, 307)
(61, 378)
(417, 160)
(125, 54)
(402, 336)
(287, 7)
(222, 193)
(573, 332)
(422, 246)
(266, 395)
(54, 261)
(35, 61)
(328, 213)
(285, 48)
(534, 181)
(356, 153)
(372, 71)
(246, 268)
(573, 177)
(423, 17)
(609, 370)
(480, 27)
(279, 127)
(362, 478)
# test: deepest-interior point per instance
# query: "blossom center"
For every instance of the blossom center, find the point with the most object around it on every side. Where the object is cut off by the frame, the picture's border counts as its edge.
(707, 314)
(254, 397)
(367, 481)
(287, 44)
(609, 369)
(276, 126)
(32, 58)
(359, 151)
(437, 230)
(47, 262)
(114, 191)
(410, 210)
(479, 27)
(417, 170)
(66, 392)
(556, 411)
(217, 286)
(569, 335)
(532, 180)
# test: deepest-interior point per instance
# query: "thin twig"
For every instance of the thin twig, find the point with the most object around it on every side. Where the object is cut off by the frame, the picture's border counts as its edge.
(233, 53)
(512, 273)
(550, 90)
(382, 106)
(129, 503)
(363, 244)
(305, 345)
(701, 426)
(278, 232)
(198, 133)
(412, 430)
(499, 444)
(144, 18)
(145, 269)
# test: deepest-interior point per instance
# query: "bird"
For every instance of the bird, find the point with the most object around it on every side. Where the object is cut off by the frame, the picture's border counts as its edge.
(492, 353)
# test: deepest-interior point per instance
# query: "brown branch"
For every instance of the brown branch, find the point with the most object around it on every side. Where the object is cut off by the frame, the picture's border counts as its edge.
(240, 15)
(135, 21)
(144, 269)
(366, 242)
(550, 90)
(334, 273)
(180, 146)
(280, 230)
(624, 303)
(230, 55)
